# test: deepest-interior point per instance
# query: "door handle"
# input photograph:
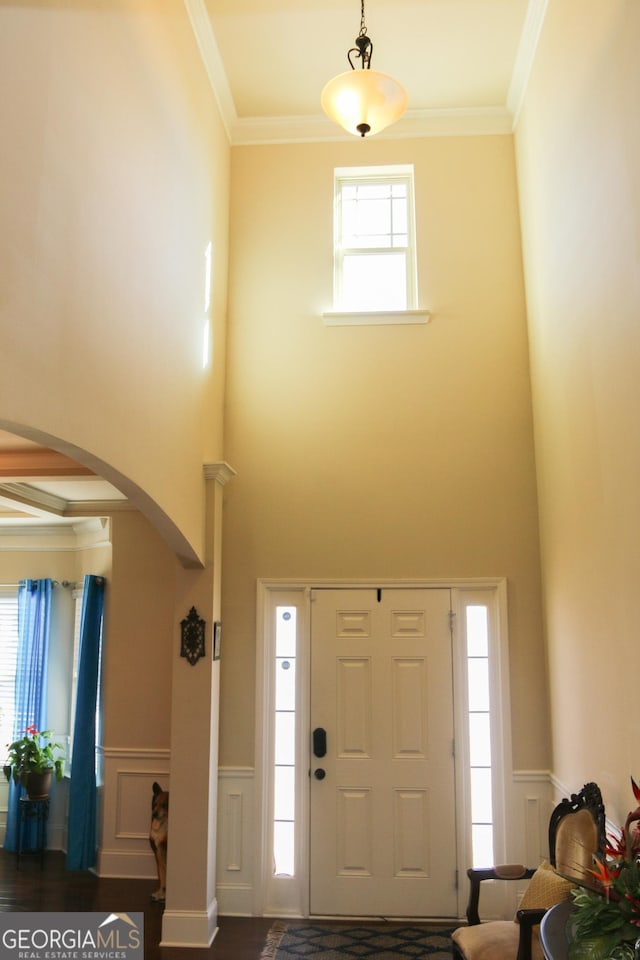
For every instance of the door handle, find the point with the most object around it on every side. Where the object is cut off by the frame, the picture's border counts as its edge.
(319, 774)
(319, 742)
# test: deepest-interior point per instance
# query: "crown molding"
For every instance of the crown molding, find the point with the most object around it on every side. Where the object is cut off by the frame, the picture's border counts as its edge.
(59, 531)
(40, 504)
(460, 122)
(529, 39)
(210, 54)
(34, 501)
(46, 540)
(472, 121)
(97, 508)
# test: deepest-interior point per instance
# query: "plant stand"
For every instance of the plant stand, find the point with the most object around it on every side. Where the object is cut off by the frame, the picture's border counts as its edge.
(32, 812)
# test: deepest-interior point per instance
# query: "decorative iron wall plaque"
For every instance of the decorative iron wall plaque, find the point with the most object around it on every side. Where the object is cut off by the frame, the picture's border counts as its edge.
(192, 628)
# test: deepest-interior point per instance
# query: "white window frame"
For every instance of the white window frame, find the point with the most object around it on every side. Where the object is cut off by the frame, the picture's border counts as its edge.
(374, 176)
(349, 176)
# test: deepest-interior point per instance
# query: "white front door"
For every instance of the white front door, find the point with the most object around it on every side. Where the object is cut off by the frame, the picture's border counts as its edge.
(382, 818)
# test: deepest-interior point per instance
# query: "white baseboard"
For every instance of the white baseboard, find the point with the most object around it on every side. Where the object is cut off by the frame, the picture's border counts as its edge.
(236, 899)
(190, 928)
(134, 865)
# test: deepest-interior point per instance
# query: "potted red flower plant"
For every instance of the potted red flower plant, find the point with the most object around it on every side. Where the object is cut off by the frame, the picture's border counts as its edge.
(34, 759)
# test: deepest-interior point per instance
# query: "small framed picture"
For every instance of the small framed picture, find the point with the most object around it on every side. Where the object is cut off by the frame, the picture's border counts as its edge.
(217, 639)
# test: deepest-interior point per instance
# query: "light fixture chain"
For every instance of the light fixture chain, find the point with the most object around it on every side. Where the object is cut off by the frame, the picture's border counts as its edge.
(363, 28)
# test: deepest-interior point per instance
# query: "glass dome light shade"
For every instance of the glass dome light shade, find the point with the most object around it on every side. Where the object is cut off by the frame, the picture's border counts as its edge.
(364, 101)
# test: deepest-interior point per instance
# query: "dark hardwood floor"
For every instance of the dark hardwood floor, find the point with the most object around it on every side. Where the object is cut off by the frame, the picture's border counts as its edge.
(50, 887)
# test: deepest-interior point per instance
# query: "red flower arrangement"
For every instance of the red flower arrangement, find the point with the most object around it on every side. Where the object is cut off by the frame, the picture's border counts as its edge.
(34, 752)
(607, 916)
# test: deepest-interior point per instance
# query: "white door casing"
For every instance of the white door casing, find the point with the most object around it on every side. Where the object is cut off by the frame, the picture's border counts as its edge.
(382, 820)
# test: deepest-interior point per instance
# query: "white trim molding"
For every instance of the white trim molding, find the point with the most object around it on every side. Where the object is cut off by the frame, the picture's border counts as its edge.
(334, 318)
(190, 928)
(459, 122)
(529, 39)
(463, 121)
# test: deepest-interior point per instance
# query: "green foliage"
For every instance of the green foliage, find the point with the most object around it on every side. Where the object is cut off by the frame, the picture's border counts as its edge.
(34, 752)
(610, 909)
(595, 916)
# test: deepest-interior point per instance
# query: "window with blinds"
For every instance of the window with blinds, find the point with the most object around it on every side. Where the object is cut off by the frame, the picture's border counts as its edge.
(8, 658)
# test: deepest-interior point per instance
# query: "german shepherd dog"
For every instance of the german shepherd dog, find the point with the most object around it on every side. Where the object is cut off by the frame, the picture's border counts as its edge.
(158, 834)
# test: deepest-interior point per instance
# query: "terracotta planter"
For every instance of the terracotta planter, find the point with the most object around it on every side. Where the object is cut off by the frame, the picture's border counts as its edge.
(38, 785)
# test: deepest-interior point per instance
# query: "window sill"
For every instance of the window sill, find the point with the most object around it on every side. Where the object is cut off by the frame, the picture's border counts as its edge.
(333, 318)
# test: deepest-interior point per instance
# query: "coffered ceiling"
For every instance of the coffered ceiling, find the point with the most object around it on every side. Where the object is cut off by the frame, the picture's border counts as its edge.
(40, 487)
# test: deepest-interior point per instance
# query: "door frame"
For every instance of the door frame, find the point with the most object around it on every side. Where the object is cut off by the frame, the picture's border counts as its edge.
(289, 896)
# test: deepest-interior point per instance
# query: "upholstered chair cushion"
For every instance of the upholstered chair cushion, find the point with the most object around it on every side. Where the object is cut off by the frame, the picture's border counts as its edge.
(494, 940)
(498, 939)
(545, 889)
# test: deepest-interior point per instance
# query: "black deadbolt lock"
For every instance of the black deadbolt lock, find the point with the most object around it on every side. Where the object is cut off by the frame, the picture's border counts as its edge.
(319, 742)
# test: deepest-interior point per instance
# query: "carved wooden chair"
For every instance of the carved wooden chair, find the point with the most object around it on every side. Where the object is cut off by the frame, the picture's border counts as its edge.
(576, 833)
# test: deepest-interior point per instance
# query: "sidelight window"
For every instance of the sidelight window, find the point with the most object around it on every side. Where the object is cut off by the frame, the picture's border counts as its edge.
(284, 768)
(479, 729)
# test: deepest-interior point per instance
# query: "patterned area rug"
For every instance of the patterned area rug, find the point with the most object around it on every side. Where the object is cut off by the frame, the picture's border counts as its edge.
(372, 941)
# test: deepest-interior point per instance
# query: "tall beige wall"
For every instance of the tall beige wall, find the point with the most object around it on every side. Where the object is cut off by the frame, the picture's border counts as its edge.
(578, 148)
(379, 451)
(139, 635)
(113, 181)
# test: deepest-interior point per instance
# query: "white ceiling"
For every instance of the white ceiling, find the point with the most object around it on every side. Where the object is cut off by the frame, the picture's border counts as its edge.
(464, 63)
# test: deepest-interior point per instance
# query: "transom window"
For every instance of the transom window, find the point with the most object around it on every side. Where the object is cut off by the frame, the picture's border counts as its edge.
(374, 239)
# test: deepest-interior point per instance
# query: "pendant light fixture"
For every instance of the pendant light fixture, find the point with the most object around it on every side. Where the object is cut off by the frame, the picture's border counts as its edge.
(363, 101)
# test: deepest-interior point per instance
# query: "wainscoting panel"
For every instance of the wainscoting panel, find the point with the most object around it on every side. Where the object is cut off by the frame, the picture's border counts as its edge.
(236, 842)
(533, 801)
(128, 777)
